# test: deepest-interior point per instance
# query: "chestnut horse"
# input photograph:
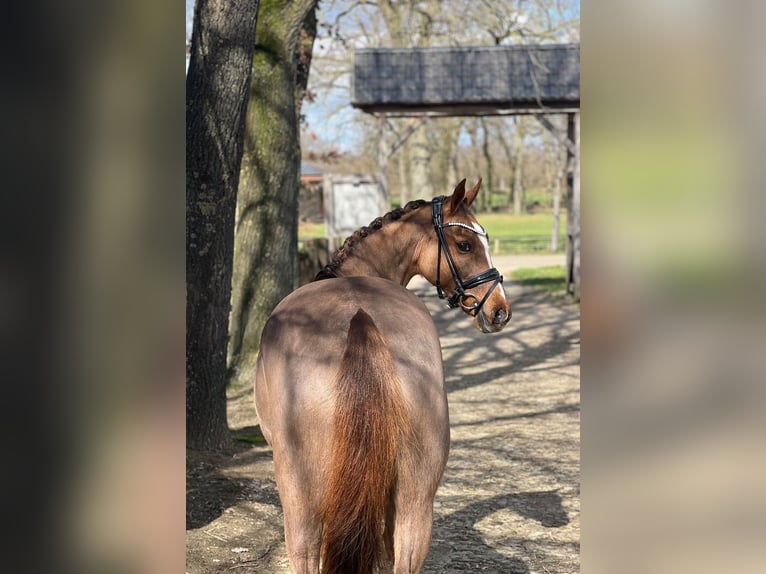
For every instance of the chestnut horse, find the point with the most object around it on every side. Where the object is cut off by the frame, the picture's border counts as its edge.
(350, 391)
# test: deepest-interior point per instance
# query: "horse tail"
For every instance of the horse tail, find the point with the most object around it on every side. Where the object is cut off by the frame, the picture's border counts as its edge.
(370, 422)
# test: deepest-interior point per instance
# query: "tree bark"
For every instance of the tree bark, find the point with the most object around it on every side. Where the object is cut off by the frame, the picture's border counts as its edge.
(216, 102)
(266, 236)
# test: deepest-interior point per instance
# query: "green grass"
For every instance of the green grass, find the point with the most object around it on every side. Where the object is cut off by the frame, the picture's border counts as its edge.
(250, 435)
(509, 225)
(550, 279)
(308, 230)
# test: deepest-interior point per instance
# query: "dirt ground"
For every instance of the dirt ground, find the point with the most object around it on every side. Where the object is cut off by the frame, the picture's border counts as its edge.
(509, 501)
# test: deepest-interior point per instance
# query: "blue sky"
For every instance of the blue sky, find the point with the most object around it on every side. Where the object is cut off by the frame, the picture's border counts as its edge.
(189, 16)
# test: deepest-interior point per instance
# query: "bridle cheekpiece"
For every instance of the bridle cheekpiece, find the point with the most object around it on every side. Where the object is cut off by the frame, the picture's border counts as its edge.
(460, 295)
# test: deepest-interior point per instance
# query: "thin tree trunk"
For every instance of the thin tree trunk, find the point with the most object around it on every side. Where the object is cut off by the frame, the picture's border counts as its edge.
(445, 139)
(266, 240)
(420, 162)
(404, 195)
(558, 175)
(398, 17)
(518, 168)
(217, 84)
(486, 197)
(473, 133)
(383, 158)
(554, 172)
(502, 130)
(453, 178)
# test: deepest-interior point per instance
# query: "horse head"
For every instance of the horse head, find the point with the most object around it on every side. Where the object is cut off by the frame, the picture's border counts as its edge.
(462, 267)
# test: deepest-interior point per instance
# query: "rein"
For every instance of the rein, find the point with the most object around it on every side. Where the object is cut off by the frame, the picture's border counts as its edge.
(460, 295)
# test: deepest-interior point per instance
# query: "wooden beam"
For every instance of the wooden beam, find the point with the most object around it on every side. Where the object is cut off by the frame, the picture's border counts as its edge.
(465, 110)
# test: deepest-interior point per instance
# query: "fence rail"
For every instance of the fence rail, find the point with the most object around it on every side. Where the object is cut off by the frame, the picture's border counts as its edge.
(512, 244)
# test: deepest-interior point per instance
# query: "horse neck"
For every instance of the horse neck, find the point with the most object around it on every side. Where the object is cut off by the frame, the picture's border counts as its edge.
(391, 252)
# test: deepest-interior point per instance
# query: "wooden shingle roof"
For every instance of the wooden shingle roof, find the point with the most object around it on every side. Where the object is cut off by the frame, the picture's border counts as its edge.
(467, 80)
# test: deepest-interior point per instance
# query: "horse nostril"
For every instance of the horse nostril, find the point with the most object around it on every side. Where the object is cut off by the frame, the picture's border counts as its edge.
(500, 317)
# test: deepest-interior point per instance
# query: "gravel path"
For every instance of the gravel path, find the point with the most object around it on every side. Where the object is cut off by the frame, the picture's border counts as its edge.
(509, 500)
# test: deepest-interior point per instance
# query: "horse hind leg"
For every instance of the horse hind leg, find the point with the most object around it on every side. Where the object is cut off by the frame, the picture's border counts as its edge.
(302, 528)
(412, 535)
(302, 539)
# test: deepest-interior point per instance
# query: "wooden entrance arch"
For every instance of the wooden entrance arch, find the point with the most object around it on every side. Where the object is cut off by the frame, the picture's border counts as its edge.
(540, 80)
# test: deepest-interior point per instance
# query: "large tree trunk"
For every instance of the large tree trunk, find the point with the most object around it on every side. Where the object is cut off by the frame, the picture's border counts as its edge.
(217, 83)
(266, 239)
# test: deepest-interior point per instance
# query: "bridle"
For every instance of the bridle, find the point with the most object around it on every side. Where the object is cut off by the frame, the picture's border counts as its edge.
(459, 296)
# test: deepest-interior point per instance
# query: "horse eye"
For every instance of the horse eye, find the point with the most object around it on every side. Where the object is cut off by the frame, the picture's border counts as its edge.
(464, 246)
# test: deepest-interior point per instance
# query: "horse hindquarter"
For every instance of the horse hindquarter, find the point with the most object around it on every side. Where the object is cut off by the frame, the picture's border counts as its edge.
(358, 425)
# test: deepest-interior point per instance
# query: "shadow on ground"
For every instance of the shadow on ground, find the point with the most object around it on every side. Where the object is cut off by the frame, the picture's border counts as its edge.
(209, 491)
(509, 501)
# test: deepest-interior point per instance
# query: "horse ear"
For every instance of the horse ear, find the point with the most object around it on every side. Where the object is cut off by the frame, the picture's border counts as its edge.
(471, 195)
(457, 196)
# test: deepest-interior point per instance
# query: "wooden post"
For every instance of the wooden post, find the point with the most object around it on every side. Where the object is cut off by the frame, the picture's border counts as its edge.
(573, 205)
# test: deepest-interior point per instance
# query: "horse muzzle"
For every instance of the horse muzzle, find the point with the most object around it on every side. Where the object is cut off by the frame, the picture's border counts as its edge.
(494, 314)
(497, 323)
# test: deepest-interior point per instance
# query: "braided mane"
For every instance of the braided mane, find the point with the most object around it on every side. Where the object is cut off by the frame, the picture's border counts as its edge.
(329, 271)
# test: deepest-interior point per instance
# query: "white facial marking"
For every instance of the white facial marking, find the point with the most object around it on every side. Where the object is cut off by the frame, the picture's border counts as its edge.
(482, 234)
(483, 238)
